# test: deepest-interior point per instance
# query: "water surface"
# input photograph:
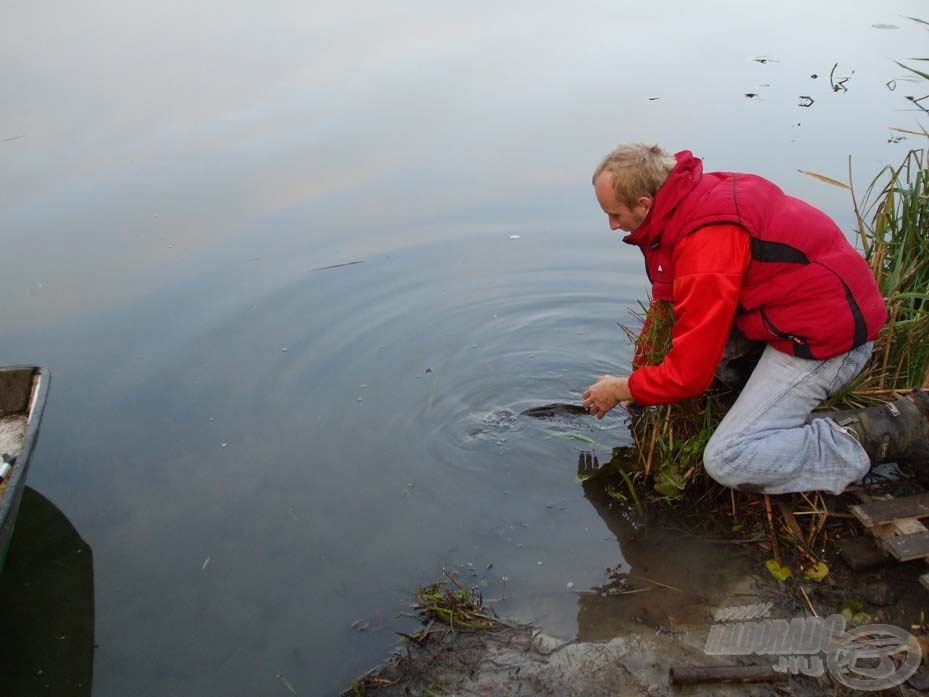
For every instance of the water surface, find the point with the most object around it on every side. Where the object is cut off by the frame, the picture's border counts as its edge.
(260, 454)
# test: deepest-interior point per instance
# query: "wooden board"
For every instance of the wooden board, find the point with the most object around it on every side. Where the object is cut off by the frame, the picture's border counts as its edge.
(877, 512)
(908, 547)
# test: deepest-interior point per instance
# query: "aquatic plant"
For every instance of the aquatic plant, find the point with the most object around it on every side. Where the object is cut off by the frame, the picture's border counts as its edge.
(450, 603)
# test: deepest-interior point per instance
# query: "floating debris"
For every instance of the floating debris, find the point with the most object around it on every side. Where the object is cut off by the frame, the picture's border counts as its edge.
(917, 102)
(450, 603)
(653, 99)
(838, 84)
(764, 59)
(286, 682)
(806, 100)
(884, 26)
(336, 266)
(751, 95)
(206, 563)
(514, 237)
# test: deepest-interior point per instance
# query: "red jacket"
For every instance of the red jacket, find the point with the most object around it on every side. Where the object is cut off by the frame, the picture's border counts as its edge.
(803, 288)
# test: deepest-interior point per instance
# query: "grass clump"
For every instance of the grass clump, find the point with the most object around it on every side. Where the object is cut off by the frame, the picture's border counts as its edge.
(448, 602)
(669, 440)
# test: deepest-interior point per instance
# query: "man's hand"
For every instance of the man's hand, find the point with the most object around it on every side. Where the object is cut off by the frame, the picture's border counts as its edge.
(606, 393)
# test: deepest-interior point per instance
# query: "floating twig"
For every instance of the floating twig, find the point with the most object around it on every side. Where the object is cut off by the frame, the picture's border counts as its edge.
(840, 85)
(336, 266)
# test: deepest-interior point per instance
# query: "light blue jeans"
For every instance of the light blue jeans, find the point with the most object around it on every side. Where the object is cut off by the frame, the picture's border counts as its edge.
(764, 444)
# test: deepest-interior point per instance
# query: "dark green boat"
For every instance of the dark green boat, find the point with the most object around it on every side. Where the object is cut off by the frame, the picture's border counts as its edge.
(22, 399)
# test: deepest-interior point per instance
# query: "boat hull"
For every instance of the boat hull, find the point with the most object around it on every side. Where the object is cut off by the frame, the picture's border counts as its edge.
(23, 390)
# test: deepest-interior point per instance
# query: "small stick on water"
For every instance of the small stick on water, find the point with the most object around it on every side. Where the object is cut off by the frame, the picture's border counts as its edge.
(337, 266)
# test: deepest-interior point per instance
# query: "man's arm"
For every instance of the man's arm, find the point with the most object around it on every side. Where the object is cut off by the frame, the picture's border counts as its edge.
(708, 270)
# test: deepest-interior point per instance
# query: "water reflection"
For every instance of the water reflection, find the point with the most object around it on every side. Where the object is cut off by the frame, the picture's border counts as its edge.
(46, 605)
(174, 171)
(665, 577)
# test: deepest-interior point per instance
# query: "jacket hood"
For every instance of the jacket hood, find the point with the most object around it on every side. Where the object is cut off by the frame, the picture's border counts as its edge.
(681, 181)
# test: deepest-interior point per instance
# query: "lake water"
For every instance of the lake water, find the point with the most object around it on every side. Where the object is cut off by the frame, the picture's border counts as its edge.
(261, 452)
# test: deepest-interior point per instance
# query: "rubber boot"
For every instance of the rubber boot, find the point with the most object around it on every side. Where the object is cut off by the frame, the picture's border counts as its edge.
(894, 432)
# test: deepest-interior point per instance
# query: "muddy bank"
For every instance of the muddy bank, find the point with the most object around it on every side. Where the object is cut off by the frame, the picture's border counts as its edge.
(631, 633)
(654, 611)
(524, 661)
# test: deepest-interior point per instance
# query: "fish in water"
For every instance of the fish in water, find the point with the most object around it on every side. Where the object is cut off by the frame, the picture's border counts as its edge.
(548, 411)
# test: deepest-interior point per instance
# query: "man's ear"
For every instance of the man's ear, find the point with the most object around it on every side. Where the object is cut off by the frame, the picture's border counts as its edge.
(646, 201)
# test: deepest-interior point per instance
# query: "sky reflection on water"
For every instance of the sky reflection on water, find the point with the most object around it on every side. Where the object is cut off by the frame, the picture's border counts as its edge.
(170, 172)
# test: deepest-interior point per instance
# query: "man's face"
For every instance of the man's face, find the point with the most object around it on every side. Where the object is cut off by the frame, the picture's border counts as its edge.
(621, 217)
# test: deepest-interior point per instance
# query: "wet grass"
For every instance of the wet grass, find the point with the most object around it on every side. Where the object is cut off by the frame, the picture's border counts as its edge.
(449, 603)
(444, 607)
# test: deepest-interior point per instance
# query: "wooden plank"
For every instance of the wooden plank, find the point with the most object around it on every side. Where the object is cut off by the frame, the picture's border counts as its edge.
(871, 514)
(908, 547)
(908, 526)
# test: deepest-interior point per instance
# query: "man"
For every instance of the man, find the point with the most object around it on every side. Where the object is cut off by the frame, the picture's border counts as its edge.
(734, 254)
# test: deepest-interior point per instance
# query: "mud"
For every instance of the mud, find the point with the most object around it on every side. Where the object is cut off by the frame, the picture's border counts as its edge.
(525, 662)
(521, 660)
(653, 612)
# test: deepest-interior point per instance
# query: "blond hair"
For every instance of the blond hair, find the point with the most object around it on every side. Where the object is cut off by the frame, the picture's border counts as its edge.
(636, 170)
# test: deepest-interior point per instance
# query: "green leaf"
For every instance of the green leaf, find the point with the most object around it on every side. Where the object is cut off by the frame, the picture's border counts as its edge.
(853, 605)
(669, 484)
(817, 572)
(913, 70)
(781, 573)
(860, 618)
(824, 178)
